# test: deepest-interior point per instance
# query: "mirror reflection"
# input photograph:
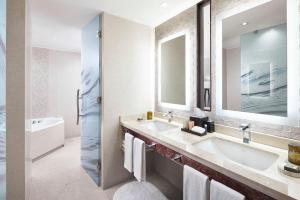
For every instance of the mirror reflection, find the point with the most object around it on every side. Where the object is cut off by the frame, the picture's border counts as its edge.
(255, 60)
(173, 70)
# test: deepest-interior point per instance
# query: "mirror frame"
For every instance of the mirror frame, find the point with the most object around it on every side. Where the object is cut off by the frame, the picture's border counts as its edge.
(292, 118)
(200, 58)
(187, 105)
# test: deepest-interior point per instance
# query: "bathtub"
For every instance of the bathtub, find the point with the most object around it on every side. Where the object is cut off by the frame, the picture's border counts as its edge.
(46, 134)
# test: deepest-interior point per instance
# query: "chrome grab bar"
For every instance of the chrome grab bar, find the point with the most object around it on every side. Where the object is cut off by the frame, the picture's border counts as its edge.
(149, 147)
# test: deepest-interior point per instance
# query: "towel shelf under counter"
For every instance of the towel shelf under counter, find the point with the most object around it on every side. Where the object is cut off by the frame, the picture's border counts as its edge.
(168, 153)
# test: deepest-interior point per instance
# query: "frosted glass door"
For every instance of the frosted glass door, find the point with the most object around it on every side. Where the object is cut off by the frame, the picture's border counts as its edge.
(90, 93)
(2, 98)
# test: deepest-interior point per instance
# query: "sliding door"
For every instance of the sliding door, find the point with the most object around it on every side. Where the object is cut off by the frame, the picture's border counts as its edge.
(2, 98)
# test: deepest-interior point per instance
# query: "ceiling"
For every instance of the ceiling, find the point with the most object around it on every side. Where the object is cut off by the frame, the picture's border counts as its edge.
(56, 24)
(257, 18)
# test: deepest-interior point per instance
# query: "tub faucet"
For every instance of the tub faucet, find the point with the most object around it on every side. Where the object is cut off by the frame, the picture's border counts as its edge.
(169, 115)
(245, 129)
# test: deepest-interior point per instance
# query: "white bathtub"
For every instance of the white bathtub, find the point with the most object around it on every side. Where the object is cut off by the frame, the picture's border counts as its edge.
(46, 134)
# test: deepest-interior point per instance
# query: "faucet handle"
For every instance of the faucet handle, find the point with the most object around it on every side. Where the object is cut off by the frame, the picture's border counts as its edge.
(245, 126)
(168, 113)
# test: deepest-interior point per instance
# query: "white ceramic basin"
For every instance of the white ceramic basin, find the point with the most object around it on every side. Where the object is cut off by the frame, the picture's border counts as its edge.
(158, 126)
(242, 154)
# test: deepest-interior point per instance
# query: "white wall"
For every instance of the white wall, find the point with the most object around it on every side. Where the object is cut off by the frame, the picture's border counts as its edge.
(127, 87)
(55, 79)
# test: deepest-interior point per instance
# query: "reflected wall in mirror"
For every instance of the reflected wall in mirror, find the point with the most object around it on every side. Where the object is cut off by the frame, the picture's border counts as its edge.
(173, 72)
(204, 54)
(254, 49)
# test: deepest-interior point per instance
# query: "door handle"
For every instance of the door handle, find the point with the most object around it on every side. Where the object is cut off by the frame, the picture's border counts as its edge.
(77, 102)
(99, 100)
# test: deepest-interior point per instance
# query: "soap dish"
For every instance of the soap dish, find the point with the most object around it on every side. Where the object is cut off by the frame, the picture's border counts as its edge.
(192, 132)
(289, 169)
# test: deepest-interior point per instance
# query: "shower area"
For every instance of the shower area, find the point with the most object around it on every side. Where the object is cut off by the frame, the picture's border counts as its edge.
(2, 98)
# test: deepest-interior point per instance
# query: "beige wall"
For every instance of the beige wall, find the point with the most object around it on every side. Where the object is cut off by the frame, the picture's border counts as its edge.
(173, 71)
(55, 79)
(233, 78)
(18, 103)
(126, 83)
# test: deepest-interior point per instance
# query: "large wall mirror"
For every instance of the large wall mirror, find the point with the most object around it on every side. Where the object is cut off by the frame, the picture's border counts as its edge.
(173, 72)
(258, 67)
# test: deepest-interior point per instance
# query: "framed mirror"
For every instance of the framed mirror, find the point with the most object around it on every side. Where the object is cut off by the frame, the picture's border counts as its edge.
(173, 72)
(258, 62)
(204, 55)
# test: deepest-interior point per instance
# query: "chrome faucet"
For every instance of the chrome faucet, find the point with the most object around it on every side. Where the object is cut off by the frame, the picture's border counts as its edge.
(245, 129)
(169, 114)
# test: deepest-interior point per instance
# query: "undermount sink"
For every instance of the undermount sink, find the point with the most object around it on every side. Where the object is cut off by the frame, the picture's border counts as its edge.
(239, 153)
(158, 126)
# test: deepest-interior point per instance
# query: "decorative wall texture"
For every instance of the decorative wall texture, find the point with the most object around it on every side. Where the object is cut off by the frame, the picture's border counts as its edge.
(187, 20)
(55, 80)
(40, 82)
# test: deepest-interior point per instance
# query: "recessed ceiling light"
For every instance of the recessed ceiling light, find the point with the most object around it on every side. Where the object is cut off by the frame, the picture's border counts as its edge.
(244, 24)
(164, 4)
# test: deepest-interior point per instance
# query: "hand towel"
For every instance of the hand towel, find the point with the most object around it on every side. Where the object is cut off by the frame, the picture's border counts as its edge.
(139, 159)
(195, 184)
(218, 191)
(128, 152)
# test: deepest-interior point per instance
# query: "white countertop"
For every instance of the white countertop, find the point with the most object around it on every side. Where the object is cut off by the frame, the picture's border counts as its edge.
(270, 181)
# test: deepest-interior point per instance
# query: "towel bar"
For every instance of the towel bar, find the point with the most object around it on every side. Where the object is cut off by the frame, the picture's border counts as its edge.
(177, 159)
(149, 147)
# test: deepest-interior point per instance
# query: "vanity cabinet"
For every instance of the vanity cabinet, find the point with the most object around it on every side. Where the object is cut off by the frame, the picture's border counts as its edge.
(168, 153)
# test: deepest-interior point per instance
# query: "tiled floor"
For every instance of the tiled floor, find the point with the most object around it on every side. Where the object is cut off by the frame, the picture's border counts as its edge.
(59, 176)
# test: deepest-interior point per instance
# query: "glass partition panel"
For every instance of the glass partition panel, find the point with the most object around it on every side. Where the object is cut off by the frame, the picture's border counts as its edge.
(2, 98)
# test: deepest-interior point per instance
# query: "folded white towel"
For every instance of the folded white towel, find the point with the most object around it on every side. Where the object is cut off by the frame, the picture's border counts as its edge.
(139, 157)
(198, 129)
(128, 152)
(218, 191)
(195, 185)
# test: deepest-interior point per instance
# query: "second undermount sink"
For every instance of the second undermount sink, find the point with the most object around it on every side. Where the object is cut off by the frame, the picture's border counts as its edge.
(158, 126)
(239, 153)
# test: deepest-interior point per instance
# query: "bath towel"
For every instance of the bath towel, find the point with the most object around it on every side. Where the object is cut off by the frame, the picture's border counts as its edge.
(139, 159)
(128, 152)
(195, 184)
(218, 191)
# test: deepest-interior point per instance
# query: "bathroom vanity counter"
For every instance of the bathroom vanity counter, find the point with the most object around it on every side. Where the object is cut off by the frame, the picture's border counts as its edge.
(269, 181)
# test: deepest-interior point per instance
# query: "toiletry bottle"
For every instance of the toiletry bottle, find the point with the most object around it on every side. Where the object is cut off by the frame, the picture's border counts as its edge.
(149, 115)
